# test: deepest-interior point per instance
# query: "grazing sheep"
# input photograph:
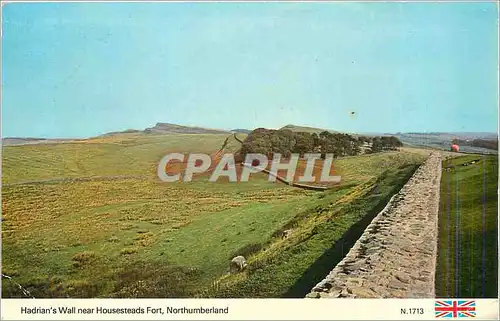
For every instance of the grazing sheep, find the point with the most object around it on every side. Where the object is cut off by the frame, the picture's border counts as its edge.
(238, 264)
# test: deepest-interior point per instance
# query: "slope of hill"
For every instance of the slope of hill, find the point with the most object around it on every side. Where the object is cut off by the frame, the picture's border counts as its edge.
(127, 131)
(163, 128)
(159, 128)
(306, 129)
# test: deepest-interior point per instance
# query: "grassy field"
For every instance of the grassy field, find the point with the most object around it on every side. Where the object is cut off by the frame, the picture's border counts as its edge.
(467, 264)
(121, 233)
(320, 237)
(126, 154)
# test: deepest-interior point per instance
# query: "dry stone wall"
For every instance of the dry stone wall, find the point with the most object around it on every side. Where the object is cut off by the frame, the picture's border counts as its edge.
(396, 255)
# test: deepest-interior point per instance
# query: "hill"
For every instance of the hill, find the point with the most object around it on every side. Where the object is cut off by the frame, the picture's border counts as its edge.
(127, 131)
(165, 128)
(9, 141)
(443, 140)
(15, 141)
(306, 129)
(159, 128)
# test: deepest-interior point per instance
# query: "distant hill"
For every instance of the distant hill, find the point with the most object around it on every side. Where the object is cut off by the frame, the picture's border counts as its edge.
(478, 135)
(9, 141)
(243, 131)
(159, 128)
(306, 129)
(478, 142)
(165, 128)
(439, 140)
(443, 140)
(14, 141)
(127, 131)
(451, 135)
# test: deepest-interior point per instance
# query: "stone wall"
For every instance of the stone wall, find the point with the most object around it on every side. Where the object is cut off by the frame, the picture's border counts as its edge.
(396, 255)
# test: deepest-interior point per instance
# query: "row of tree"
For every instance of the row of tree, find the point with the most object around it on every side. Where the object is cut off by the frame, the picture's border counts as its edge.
(385, 143)
(484, 143)
(286, 142)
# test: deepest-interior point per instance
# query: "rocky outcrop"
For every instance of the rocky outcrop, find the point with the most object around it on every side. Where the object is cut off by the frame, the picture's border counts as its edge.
(396, 255)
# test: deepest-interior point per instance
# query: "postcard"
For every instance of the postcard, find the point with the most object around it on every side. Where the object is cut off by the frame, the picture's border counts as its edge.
(249, 160)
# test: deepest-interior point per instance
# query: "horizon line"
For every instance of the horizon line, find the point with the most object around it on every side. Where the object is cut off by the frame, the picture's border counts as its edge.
(240, 128)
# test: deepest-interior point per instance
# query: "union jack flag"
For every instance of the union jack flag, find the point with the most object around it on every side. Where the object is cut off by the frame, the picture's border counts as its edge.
(455, 308)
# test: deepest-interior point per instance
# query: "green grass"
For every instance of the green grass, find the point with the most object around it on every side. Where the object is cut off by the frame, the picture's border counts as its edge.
(45, 225)
(138, 237)
(460, 265)
(321, 236)
(131, 154)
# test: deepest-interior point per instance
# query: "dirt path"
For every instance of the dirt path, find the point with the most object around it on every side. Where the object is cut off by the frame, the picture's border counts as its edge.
(396, 255)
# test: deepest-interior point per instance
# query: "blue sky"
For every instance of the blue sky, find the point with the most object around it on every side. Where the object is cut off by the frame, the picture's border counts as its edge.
(83, 69)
